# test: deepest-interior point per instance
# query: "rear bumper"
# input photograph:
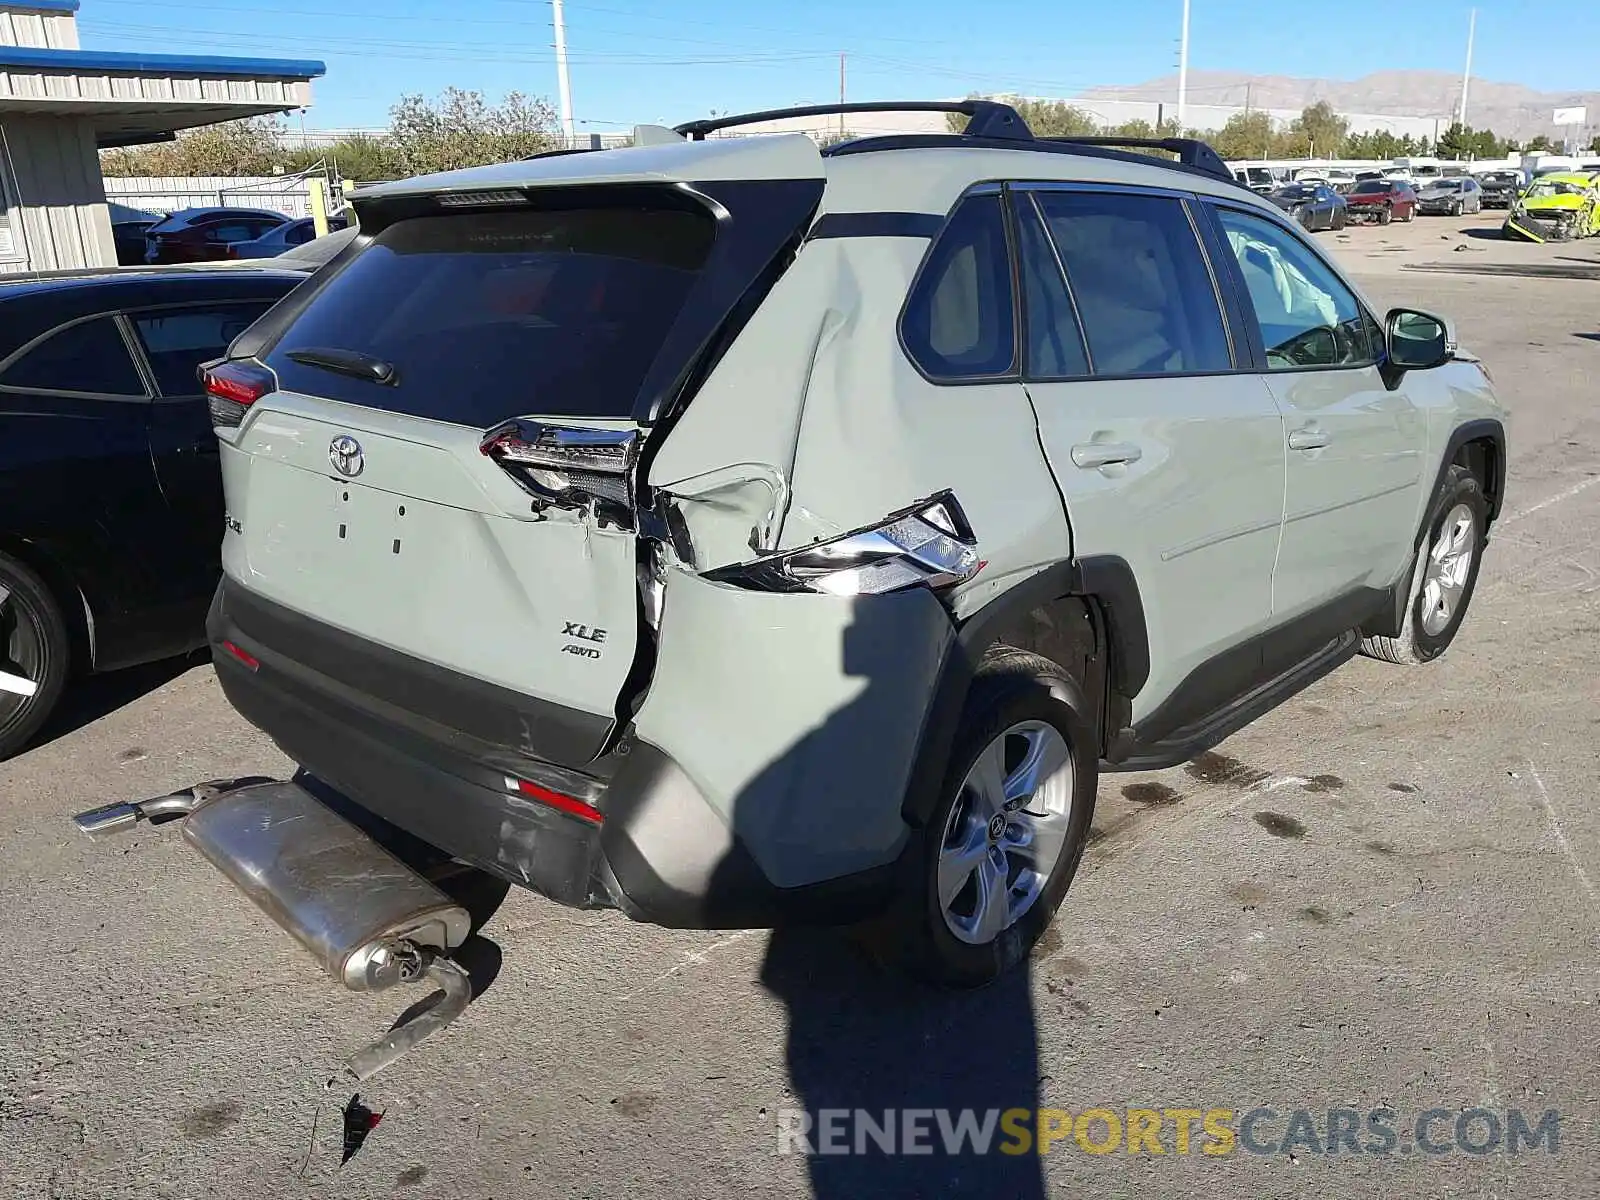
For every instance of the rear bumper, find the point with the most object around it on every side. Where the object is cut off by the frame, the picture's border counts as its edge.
(458, 794)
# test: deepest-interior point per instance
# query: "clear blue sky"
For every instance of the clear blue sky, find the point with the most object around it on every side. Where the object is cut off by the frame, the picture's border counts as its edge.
(669, 60)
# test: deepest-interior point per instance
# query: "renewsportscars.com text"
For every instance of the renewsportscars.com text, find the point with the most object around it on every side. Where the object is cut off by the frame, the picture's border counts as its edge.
(1212, 1132)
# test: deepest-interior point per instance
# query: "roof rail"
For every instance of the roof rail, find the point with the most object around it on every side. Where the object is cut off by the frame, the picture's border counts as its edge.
(986, 118)
(1191, 152)
(990, 122)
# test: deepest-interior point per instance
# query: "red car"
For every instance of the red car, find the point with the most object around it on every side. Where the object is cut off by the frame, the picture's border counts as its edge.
(1381, 200)
(204, 234)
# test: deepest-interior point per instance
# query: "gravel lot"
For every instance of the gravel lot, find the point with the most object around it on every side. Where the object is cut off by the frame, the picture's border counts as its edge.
(1383, 895)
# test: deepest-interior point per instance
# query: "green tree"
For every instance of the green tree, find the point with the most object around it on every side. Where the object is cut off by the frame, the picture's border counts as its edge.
(1137, 128)
(462, 129)
(247, 147)
(360, 157)
(1245, 135)
(1537, 144)
(1047, 118)
(1320, 130)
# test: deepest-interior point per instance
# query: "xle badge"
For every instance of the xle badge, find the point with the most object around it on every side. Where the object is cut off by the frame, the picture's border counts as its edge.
(583, 633)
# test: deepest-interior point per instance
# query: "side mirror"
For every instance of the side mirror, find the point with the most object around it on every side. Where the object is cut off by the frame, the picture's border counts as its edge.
(1416, 341)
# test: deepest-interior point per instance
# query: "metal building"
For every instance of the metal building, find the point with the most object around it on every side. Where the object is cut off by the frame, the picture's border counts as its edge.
(59, 106)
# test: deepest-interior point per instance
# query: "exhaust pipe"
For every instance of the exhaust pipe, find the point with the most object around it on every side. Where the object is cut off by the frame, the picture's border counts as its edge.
(367, 918)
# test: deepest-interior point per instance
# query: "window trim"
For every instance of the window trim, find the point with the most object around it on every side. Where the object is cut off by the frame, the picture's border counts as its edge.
(1231, 266)
(135, 357)
(997, 189)
(1240, 356)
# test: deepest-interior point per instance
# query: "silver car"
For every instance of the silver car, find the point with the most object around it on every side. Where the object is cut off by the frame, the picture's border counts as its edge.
(735, 533)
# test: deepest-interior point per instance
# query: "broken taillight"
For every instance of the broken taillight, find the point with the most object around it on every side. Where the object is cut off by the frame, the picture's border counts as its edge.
(232, 387)
(567, 466)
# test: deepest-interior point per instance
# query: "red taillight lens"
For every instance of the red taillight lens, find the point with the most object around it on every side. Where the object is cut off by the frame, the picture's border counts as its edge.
(566, 804)
(232, 387)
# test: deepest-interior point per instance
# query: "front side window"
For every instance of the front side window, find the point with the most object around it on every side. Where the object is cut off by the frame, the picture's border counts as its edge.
(1140, 283)
(958, 322)
(1308, 317)
(89, 357)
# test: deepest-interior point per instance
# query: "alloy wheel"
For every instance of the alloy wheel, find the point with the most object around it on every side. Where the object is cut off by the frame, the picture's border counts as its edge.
(21, 657)
(1006, 831)
(1449, 564)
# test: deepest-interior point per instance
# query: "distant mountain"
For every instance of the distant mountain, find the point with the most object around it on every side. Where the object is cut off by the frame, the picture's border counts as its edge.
(1510, 109)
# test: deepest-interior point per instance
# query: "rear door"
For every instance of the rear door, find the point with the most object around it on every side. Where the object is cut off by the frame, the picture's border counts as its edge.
(1167, 446)
(1354, 445)
(175, 340)
(381, 490)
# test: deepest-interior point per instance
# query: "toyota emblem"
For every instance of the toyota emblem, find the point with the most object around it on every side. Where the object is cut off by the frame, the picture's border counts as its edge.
(344, 452)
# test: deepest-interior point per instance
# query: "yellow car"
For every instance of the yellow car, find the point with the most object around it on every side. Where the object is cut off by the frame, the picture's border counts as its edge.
(1556, 208)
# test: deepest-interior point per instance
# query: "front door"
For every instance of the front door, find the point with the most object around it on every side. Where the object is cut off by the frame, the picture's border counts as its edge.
(1354, 445)
(1165, 443)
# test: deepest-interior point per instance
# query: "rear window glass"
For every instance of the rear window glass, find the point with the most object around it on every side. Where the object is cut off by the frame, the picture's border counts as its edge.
(485, 316)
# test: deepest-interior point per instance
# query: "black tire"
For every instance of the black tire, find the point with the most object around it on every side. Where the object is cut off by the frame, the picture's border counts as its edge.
(1385, 215)
(1011, 687)
(1416, 644)
(33, 631)
(1411, 215)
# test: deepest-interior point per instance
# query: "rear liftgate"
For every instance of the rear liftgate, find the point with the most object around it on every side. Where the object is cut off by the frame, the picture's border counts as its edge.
(368, 919)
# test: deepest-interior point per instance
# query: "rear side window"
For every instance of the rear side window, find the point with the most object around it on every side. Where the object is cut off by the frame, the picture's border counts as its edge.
(486, 316)
(176, 341)
(1055, 339)
(1140, 280)
(87, 357)
(958, 322)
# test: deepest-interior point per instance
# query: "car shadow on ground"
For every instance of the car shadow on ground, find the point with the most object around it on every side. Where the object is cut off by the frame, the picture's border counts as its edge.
(87, 700)
(866, 1041)
(883, 1069)
(1484, 233)
(1588, 337)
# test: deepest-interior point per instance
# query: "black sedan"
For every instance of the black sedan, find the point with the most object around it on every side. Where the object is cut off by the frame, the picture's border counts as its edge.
(1314, 205)
(110, 494)
(1500, 188)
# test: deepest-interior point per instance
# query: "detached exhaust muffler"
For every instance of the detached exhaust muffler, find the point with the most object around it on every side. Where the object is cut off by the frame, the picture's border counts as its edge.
(370, 920)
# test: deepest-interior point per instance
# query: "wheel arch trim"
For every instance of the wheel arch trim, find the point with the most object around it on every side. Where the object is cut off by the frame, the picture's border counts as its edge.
(1106, 581)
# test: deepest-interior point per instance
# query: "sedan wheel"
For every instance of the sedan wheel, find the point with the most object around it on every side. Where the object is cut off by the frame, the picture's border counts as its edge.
(34, 649)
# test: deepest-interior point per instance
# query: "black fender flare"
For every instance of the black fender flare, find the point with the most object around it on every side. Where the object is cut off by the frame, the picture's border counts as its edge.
(1391, 619)
(1483, 429)
(1107, 581)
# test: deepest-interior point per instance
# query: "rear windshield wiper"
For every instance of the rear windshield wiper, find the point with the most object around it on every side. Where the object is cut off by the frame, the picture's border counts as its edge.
(347, 362)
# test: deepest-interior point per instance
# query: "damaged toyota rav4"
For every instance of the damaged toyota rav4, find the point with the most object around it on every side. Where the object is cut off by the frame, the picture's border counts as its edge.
(736, 533)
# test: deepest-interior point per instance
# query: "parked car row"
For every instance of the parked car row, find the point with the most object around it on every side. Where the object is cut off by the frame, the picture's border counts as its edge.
(208, 234)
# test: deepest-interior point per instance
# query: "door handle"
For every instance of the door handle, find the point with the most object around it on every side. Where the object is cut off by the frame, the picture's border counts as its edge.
(1105, 454)
(1309, 438)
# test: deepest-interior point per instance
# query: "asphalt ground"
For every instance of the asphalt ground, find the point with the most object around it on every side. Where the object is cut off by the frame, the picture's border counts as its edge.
(1382, 896)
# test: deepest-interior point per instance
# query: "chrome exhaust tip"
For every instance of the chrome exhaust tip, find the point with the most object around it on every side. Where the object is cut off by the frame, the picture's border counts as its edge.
(123, 816)
(365, 916)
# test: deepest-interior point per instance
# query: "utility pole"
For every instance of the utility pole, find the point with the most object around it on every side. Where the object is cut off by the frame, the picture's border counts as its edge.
(1183, 72)
(563, 84)
(1466, 75)
(841, 91)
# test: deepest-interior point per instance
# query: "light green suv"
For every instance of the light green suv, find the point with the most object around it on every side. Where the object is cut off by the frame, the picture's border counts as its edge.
(734, 532)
